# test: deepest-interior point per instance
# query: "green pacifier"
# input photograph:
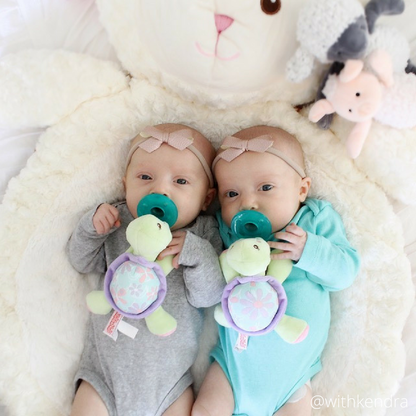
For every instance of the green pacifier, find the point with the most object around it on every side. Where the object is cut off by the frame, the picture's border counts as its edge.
(160, 206)
(250, 224)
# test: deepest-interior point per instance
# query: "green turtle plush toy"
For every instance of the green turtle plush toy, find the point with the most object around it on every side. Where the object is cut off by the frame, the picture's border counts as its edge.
(135, 283)
(254, 301)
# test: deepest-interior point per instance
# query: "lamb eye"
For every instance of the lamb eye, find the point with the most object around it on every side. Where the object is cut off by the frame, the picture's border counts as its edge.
(357, 94)
(350, 110)
(270, 6)
(159, 225)
(256, 247)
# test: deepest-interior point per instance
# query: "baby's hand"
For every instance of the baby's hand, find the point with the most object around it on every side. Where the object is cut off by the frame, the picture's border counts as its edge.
(174, 248)
(105, 218)
(292, 249)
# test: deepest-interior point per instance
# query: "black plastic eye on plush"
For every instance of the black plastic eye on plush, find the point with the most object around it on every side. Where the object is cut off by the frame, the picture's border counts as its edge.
(270, 6)
(357, 94)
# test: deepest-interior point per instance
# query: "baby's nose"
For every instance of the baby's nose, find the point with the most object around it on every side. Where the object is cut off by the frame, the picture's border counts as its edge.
(248, 204)
(158, 192)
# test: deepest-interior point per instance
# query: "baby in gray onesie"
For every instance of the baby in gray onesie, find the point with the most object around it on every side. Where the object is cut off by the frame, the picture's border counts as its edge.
(150, 375)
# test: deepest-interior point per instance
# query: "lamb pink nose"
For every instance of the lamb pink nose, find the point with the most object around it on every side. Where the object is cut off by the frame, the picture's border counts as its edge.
(222, 22)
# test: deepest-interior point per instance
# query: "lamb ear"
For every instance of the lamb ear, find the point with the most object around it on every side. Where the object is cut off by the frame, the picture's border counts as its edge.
(300, 66)
(320, 109)
(351, 70)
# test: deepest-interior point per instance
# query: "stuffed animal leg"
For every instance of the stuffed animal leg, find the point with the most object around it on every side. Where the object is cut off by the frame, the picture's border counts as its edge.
(161, 323)
(292, 330)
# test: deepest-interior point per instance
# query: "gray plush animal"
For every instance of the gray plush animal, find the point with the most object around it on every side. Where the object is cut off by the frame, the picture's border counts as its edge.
(356, 36)
(338, 30)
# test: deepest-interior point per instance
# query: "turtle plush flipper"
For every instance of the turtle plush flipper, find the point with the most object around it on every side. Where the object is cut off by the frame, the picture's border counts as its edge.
(97, 302)
(292, 330)
(166, 264)
(220, 317)
(161, 323)
(279, 269)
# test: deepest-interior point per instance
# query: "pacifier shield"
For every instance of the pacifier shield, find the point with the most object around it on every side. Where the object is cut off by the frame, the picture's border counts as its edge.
(160, 206)
(250, 224)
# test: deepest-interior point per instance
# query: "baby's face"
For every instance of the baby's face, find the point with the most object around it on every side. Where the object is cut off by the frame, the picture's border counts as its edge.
(171, 172)
(260, 182)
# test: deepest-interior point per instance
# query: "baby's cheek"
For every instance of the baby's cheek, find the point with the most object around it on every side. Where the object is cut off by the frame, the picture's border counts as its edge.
(227, 215)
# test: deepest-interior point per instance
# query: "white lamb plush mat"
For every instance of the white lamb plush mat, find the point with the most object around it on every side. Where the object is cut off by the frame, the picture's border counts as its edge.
(42, 298)
(78, 163)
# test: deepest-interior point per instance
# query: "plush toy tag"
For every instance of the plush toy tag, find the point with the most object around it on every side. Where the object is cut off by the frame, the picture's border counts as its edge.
(127, 329)
(116, 324)
(111, 328)
(242, 342)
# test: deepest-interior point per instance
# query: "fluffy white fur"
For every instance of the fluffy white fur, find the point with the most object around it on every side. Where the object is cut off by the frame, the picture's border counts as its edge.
(78, 163)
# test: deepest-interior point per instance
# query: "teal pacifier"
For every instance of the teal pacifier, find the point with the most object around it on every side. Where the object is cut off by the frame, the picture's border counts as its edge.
(249, 224)
(160, 206)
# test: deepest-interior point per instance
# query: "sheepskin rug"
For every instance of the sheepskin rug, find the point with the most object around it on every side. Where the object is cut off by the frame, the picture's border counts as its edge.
(79, 162)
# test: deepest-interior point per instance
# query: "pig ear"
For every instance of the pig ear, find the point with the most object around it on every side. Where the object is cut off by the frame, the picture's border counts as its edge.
(320, 109)
(351, 70)
(382, 64)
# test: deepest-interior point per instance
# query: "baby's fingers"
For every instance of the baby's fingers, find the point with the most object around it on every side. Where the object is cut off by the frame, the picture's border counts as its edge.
(175, 261)
(285, 236)
(168, 251)
(112, 215)
(281, 245)
(105, 219)
(101, 226)
(285, 255)
(296, 230)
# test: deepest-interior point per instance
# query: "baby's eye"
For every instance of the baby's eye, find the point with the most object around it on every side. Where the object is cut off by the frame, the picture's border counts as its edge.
(231, 194)
(181, 181)
(267, 187)
(145, 177)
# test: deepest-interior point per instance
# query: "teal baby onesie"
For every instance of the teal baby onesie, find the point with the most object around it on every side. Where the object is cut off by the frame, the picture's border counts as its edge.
(270, 370)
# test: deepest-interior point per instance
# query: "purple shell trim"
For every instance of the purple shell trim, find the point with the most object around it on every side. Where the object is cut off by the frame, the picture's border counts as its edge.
(141, 260)
(281, 295)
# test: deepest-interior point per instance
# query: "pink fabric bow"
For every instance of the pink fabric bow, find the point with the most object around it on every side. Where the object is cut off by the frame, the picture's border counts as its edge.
(235, 146)
(180, 139)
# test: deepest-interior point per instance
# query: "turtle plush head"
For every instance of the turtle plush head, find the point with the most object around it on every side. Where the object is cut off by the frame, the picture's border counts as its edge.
(249, 256)
(148, 236)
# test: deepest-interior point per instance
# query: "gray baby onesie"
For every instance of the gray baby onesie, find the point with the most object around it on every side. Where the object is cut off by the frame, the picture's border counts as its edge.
(145, 375)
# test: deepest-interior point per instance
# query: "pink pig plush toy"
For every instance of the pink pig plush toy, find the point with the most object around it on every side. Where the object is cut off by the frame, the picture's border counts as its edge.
(359, 95)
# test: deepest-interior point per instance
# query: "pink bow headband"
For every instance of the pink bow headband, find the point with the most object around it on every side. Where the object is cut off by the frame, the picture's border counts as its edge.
(182, 139)
(235, 147)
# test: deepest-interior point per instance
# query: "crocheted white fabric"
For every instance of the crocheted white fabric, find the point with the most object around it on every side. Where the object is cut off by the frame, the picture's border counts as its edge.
(319, 26)
(393, 41)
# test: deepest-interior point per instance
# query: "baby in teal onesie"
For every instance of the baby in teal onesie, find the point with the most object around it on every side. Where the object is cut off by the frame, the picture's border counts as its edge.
(262, 169)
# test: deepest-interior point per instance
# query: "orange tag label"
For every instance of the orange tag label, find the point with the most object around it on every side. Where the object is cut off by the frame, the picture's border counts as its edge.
(242, 342)
(111, 328)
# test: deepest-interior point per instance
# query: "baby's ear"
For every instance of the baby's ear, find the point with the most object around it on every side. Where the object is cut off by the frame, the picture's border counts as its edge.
(209, 198)
(319, 109)
(304, 188)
